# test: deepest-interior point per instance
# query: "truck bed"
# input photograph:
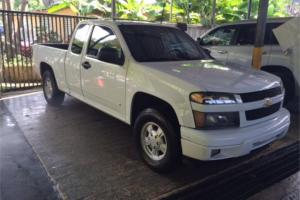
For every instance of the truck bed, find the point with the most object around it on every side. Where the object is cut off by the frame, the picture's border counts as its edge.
(53, 55)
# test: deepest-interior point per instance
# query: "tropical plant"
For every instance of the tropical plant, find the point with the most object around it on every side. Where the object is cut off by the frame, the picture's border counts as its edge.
(132, 9)
(191, 11)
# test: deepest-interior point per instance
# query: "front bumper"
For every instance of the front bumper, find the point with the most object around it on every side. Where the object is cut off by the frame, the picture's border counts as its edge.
(233, 142)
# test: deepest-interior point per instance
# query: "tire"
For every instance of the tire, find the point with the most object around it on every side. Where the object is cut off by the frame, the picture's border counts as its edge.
(154, 133)
(52, 94)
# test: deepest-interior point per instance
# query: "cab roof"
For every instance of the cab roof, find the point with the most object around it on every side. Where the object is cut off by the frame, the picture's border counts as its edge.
(124, 22)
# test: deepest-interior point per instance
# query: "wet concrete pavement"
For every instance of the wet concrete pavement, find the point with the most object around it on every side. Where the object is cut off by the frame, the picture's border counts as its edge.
(287, 189)
(90, 155)
(21, 174)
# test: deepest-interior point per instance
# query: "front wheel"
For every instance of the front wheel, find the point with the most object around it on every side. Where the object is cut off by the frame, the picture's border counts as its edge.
(156, 140)
(52, 94)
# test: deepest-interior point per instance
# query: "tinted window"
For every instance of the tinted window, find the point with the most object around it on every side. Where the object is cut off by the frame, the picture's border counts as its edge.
(105, 46)
(156, 43)
(246, 35)
(222, 36)
(79, 38)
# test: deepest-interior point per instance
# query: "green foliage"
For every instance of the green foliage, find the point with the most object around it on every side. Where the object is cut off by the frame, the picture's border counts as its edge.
(88, 7)
(234, 10)
(132, 9)
(191, 11)
(35, 5)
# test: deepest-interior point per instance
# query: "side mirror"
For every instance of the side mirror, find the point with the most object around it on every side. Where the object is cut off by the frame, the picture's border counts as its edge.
(110, 55)
(200, 41)
(182, 26)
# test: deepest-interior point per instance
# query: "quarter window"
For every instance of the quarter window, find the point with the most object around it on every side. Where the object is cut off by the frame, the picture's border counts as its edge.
(270, 38)
(79, 38)
(104, 46)
(221, 37)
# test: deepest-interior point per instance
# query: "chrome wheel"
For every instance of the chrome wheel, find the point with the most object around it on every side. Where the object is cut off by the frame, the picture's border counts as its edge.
(154, 141)
(48, 89)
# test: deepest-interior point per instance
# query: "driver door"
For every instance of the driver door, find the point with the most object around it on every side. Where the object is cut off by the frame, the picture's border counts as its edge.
(103, 72)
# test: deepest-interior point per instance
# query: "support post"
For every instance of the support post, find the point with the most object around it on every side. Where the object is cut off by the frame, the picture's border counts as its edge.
(113, 9)
(260, 34)
(249, 9)
(213, 15)
(171, 11)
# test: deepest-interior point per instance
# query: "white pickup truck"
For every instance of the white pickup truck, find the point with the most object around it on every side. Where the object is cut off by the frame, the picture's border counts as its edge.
(157, 79)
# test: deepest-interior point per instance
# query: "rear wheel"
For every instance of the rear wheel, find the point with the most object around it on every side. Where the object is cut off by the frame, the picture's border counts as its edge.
(156, 140)
(52, 94)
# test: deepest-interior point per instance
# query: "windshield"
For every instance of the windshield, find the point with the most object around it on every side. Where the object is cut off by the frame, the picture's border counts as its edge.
(158, 43)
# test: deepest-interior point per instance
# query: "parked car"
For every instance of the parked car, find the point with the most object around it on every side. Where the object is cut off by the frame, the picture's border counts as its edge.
(26, 49)
(157, 79)
(233, 43)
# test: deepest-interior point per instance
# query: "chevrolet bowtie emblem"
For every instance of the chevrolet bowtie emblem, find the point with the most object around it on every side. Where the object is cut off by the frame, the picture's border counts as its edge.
(268, 102)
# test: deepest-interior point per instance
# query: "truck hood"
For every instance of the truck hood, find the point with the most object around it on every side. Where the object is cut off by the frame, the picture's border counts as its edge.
(212, 76)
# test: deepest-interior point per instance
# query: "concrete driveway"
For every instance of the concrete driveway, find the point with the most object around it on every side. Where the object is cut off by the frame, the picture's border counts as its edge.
(90, 155)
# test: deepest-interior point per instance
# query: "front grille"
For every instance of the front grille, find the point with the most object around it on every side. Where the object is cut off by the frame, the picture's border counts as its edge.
(262, 112)
(260, 95)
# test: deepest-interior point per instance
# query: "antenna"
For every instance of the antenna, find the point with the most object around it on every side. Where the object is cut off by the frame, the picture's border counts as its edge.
(162, 12)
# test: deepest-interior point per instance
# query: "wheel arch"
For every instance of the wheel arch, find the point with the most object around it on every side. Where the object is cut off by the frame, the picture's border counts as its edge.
(273, 69)
(286, 76)
(276, 68)
(44, 67)
(142, 100)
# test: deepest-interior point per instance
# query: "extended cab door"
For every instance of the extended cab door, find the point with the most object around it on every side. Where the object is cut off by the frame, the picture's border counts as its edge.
(219, 42)
(103, 72)
(73, 59)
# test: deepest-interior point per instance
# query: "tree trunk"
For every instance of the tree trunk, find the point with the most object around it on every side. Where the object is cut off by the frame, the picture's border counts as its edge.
(23, 5)
(8, 30)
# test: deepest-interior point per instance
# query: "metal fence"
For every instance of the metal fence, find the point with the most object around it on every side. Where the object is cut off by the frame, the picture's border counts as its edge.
(18, 32)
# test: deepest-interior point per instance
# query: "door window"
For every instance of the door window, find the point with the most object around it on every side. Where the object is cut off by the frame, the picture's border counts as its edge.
(104, 46)
(246, 35)
(79, 38)
(223, 36)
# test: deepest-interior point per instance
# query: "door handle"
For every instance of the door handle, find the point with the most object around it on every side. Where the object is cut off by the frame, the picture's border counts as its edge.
(222, 52)
(86, 65)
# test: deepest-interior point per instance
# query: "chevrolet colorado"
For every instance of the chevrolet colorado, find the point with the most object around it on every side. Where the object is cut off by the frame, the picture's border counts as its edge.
(157, 79)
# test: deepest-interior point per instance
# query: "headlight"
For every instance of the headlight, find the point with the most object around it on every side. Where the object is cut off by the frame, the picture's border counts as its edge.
(212, 98)
(216, 120)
